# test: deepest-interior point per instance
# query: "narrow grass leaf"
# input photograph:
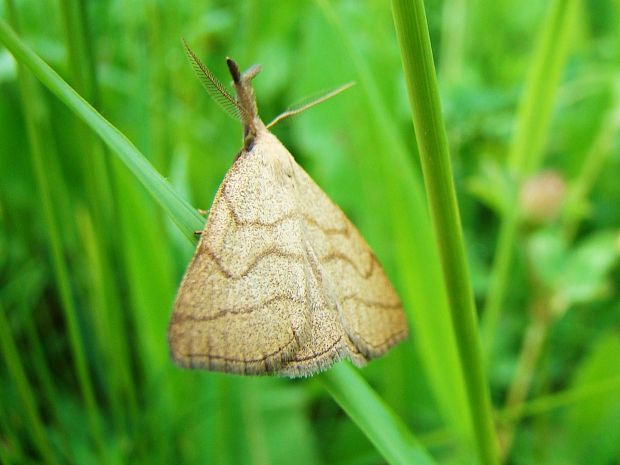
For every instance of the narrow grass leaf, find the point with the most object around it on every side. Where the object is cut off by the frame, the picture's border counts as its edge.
(415, 47)
(30, 95)
(182, 213)
(25, 392)
(526, 151)
(417, 257)
(384, 429)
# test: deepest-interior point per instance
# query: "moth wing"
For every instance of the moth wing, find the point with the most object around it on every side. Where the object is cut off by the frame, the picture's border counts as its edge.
(327, 341)
(370, 310)
(241, 306)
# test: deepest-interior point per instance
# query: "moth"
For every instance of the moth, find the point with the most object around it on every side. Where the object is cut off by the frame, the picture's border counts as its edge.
(281, 281)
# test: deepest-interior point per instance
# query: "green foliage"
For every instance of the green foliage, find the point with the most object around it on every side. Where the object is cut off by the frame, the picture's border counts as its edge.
(573, 275)
(592, 427)
(96, 212)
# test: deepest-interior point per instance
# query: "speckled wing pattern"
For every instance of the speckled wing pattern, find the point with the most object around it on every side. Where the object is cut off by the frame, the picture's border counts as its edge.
(281, 281)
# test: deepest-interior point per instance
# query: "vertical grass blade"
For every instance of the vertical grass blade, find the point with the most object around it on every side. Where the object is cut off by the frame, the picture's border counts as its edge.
(95, 169)
(29, 96)
(414, 41)
(592, 167)
(24, 391)
(526, 149)
(541, 87)
(98, 223)
(416, 256)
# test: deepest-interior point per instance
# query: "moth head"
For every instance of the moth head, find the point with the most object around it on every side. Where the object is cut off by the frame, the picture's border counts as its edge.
(247, 101)
(244, 107)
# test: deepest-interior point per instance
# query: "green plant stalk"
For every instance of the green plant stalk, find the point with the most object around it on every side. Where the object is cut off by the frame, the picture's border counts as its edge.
(100, 319)
(542, 321)
(24, 391)
(500, 276)
(362, 398)
(253, 422)
(590, 170)
(159, 86)
(541, 87)
(453, 40)
(29, 96)
(539, 406)
(100, 221)
(525, 158)
(526, 151)
(545, 404)
(61, 275)
(433, 334)
(26, 278)
(384, 429)
(182, 213)
(533, 342)
(95, 169)
(414, 41)
(148, 266)
(47, 390)
(148, 270)
(82, 69)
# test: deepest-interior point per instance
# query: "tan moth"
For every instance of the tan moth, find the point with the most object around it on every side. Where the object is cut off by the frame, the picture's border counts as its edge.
(281, 281)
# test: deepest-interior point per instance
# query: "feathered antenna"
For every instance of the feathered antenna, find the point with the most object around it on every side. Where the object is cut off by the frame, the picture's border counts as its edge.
(296, 111)
(214, 88)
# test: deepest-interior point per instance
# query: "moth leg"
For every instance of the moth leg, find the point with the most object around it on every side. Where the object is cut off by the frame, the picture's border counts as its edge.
(203, 212)
(198, 233)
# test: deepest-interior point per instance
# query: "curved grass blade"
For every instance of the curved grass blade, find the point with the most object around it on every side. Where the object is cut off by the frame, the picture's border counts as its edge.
(415, 48)
(384, 429)
(180, 211)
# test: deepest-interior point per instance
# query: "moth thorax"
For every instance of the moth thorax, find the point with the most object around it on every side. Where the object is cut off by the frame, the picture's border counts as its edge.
(277, 159)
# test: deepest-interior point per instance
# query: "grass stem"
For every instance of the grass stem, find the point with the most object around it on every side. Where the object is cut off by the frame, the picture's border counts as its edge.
(24, 391)
(527, 146)
(384, 429)
(415, 46)
(30, 95)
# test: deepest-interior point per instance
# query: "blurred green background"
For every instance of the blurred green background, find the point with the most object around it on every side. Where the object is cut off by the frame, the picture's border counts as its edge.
(89, 263)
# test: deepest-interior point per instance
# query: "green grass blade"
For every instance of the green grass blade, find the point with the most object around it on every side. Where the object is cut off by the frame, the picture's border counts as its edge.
(527, 145)
(103, 318)
(414, 41)
(97, 225)
(541, 87)
(384, 429)
(29, 94)
(24, 391)
(591, 169)
(46, 389)
(416, 256)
